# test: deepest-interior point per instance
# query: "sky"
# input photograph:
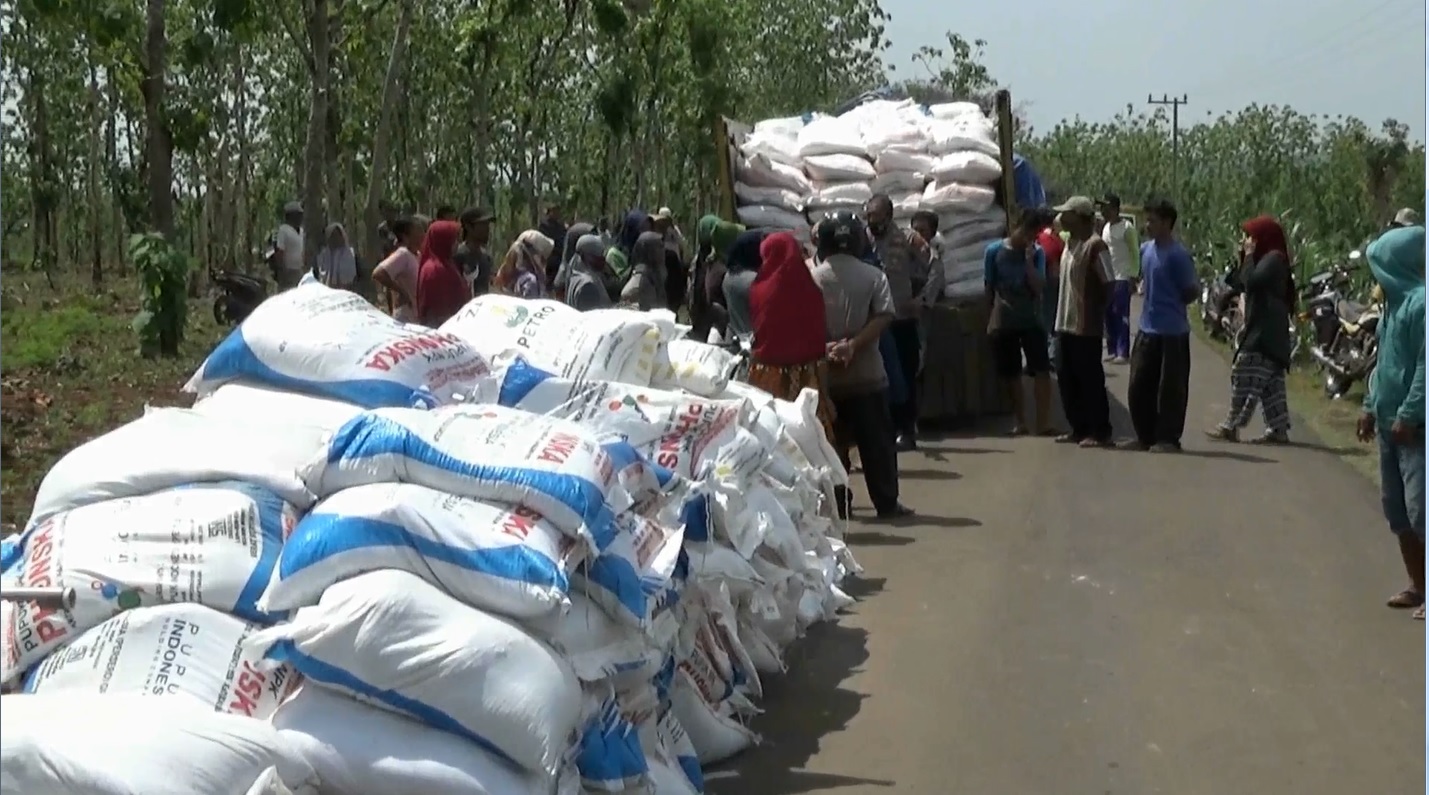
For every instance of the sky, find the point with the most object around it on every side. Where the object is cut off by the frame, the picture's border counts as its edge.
(1361, 58)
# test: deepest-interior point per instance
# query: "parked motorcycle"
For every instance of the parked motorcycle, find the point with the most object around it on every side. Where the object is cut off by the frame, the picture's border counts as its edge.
(1346, 343)
(238, 295)
(1220, 311)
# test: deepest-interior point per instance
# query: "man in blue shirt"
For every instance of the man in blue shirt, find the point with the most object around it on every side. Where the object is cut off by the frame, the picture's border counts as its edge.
(1160, 377)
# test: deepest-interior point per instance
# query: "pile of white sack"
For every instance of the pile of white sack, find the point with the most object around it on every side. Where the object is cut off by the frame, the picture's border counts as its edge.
(532, 551)
(941, 158)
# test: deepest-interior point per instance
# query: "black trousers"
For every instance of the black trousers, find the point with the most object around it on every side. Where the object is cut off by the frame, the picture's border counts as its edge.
(864, 421)
(1158, 387)
(910, 349)
(1082, 384)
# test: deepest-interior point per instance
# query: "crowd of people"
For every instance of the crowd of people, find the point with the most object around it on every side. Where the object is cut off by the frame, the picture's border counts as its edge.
(842, 316)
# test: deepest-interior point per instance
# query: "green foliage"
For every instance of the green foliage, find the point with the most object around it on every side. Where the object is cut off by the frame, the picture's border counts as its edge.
(42, 336)
(163, 280)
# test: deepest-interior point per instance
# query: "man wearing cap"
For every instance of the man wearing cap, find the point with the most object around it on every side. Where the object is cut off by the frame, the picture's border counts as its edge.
(1121, 240)
(677, 283)
(288, 254)
(1084, 287)
(1405, 217)
(471, 255)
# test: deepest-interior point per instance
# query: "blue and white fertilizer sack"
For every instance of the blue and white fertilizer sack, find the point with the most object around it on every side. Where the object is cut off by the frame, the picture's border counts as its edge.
(125, 744)
(173, 447)
(614, 344)
(500, 558)
(174, 651)
(554, 467)
(257, 403)
(398, 642)
(677, 431)
(214, 544)
(333, 343)
(632, 579)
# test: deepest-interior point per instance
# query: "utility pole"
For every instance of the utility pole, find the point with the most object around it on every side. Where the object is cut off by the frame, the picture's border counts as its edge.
(1175, 103)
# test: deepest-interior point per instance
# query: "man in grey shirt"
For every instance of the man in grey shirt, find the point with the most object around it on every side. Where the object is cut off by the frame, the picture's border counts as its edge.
(858, 306)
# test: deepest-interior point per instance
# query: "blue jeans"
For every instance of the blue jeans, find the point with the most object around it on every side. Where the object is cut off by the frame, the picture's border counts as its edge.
(1118, 320)
(1401, 476)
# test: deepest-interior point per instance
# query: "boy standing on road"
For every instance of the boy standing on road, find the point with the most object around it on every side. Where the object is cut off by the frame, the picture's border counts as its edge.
(1014, 278)
(1394, 402)
(1125, 248)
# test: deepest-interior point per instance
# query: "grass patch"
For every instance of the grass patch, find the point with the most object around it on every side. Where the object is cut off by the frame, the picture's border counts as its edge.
(70, 371)
(1333, 422)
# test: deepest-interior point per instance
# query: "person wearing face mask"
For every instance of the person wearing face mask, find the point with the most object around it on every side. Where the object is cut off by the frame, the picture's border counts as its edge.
(906, 259)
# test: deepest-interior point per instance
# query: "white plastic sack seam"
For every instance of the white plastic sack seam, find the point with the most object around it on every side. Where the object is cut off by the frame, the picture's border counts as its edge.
(965, 133)
(125, 744)
(504, 559)
(949, 197)
(332, 343)
(899, 182)
(764, 216)
(777, 146)
(774, 197)
(253, 403)
(972, 167)
(840, 194)
(172, 447)
(181, 650)
(830, 136)
(761, 172)
(214, 544)
(838, 168)
(896, 159)
(394, 640)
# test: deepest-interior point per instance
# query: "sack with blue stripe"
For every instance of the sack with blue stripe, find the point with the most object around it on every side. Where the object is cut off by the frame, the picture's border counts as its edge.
(631, 578)
(214, 544)
(393, 640)
(501, 558)
(333, 343)
(598, 648)
(171, 447)
(680, 432)
(674, 766)
(609, 756)
(556, 468)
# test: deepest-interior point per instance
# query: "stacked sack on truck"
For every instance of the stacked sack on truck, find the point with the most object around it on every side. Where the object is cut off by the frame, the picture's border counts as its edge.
(941, 158)
(365, 562)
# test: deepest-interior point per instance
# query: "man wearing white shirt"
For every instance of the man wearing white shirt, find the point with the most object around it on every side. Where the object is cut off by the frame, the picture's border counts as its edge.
(288, 267)
(1121, 240)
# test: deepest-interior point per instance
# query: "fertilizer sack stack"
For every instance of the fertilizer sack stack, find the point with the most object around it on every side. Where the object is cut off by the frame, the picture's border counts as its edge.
(564, 570)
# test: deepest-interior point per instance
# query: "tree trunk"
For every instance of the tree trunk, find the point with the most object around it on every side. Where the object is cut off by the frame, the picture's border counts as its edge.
(96, 206)
(160, 145)
(111, 159)
(314, 219)
(381, 141)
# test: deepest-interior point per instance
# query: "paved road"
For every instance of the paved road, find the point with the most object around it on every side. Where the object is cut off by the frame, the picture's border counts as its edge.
(1085, 622)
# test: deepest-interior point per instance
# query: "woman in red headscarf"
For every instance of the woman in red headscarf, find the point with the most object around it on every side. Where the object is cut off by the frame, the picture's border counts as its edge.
(441, 289)
(1263, 356)
(786, 309)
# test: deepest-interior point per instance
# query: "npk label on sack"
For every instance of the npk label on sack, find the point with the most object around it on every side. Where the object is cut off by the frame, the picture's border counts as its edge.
(179, 650)
(213, 544)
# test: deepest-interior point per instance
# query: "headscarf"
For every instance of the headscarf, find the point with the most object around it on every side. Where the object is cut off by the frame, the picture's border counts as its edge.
(440, 242)
(647, 271)
(336, 262)
(1397, 260)
(568, 254)
(630, 230)
(523, 269)
(588, 245)
(1269, 236)
(743, 253)
(713, 235)
(786, 305)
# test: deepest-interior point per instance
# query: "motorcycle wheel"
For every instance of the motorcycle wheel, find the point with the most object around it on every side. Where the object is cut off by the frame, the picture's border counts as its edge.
(220, 312)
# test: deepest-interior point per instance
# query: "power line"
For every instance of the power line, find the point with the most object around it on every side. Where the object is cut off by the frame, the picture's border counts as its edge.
(1175, 103)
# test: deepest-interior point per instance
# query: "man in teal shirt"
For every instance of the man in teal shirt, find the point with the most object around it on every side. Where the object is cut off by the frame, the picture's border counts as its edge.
(1394, 402)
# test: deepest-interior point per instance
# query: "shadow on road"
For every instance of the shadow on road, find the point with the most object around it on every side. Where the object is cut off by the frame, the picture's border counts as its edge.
(874, 538)
(908, 473)
(800, 708)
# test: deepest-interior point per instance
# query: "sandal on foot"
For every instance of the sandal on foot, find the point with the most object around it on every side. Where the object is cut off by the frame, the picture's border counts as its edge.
(1220, 433)
(1406, 598)
(1068, 438)
(1090, 443)
(1272, 437)
(1418, 613)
